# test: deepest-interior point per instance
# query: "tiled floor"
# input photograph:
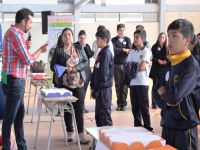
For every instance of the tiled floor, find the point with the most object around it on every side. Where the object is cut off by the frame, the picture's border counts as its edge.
(120, 118)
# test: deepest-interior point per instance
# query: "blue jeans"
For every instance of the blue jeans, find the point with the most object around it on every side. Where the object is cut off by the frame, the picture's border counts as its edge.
(14, 113)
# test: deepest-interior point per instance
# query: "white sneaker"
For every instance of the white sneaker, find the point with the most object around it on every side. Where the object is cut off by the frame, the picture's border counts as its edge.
(82, 138)
(70, 136)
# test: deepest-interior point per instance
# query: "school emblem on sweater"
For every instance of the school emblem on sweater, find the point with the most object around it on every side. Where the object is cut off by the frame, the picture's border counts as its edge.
(124, 42)
(141, 56)
(167, 76)
(159, 48)
(176, 79)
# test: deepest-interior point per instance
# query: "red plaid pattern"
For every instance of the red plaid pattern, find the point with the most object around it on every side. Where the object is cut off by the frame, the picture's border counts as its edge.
(15, 53)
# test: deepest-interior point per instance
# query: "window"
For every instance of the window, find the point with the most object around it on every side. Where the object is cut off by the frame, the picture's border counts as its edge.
(107, 17)
(63, 14)
(131, 17)
(37, 17)
(151, 1)
(65, 1)
(9, 17)
(119, 17)
(87, 17)
(151, 17)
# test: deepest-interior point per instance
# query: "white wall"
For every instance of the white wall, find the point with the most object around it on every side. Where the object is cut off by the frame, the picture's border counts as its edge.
(182, 2)
(29, 2)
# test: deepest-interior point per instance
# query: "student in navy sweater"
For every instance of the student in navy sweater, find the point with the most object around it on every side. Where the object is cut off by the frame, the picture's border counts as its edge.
(177, 90)
(122, 47)
(102, 80)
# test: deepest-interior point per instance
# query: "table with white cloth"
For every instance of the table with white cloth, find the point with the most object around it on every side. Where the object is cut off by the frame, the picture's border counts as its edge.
(61, 98)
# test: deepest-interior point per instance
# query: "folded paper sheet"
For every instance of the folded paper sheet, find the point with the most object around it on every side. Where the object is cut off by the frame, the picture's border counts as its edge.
(59, 70)
(129, 138)
(60, 92)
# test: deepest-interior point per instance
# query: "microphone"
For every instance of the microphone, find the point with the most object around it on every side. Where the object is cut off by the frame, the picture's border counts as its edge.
(29, 35)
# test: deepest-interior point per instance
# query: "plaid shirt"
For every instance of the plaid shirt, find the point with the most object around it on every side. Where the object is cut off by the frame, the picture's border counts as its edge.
(15, 53)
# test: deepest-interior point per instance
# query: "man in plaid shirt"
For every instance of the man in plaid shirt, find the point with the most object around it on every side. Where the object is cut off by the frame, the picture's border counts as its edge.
(15, 59)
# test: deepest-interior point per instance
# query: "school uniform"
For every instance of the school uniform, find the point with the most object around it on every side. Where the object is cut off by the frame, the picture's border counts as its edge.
(159, 52)
(101, 84)
(119, 59)
(139, 87)
(181, 78)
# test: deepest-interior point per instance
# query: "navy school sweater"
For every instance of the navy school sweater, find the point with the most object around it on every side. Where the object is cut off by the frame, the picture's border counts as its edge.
(102, 76)
(182, 83)
(120, 56)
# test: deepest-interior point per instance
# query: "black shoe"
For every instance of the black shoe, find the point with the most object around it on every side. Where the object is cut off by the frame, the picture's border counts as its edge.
(118, 108)
(154, 105)
(86, 111)
(123, 108)
(58, 114)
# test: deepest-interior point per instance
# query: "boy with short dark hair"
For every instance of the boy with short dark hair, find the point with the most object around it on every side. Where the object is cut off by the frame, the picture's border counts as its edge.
(102, 80)
(95, 49)
(139, 86)
(177, 90)
(122, 47)
(145, 43)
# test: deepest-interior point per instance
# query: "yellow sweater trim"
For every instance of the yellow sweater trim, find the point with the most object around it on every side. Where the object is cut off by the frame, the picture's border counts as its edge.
(177, 58)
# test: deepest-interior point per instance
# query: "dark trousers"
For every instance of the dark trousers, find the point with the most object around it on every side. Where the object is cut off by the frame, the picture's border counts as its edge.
(14, 112)
(140, 106)
(154, 82)
(181, 139)
(103, 108)
(78, 108)
(121, 90)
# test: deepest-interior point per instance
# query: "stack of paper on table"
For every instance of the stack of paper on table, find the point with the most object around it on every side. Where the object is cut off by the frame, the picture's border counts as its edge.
(39, 75)
(56, 92)
(129, 138)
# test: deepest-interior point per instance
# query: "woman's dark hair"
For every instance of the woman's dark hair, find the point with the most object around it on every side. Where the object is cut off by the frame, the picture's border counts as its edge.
(23, 14)
(65, 29)
(82, 32)
(195, 41)
(60, 41)
(164, 44)
(184, 26)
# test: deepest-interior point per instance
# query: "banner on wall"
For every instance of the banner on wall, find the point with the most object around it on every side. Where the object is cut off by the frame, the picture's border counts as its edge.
(55, 26)
(1, 48)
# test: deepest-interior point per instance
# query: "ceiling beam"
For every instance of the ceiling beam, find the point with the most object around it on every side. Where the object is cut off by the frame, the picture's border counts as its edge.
(38, 8)
(80, 4)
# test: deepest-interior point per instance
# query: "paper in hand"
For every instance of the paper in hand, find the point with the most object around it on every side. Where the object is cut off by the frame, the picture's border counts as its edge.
(59, 70)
